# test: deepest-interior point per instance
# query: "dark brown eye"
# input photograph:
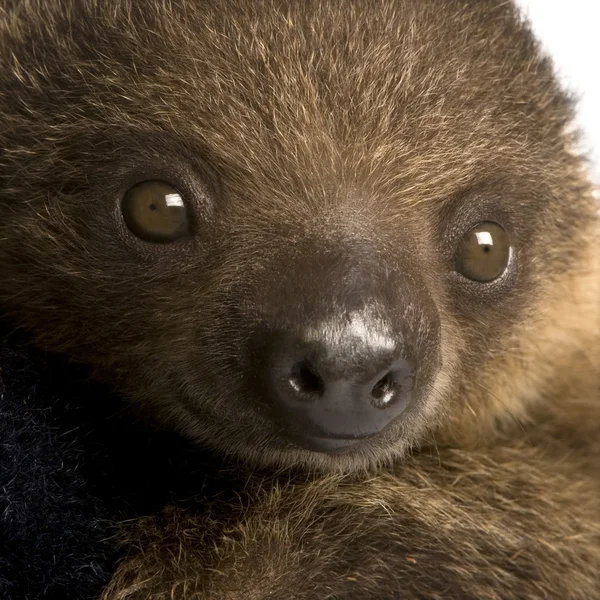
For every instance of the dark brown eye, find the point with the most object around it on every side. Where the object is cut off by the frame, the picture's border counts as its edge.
(483, 253)
(155, 211)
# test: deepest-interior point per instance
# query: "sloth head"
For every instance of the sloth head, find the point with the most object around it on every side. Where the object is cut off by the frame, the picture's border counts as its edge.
(312, 233)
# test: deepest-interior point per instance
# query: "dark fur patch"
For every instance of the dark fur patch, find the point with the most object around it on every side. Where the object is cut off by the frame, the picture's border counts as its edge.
(53, 530)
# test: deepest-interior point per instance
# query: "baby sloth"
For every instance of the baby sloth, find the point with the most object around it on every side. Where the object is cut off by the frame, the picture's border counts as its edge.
(348, 245)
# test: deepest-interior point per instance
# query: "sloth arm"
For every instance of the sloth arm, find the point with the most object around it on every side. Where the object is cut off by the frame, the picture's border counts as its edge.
(517, 520)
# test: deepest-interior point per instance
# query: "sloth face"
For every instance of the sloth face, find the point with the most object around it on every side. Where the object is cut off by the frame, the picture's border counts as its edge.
(336, 335)
(299, 233)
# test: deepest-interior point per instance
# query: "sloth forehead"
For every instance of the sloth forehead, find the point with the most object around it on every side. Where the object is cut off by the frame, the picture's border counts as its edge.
(375, 94)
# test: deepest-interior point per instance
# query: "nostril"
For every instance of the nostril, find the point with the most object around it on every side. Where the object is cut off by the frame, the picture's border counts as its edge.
(385, 391)
(306, 382)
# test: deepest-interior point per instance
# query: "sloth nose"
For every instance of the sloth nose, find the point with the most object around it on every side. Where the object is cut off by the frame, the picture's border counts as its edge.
(335, 388)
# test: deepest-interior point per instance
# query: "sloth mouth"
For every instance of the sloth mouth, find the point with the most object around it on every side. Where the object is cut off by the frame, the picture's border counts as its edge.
(325, 443)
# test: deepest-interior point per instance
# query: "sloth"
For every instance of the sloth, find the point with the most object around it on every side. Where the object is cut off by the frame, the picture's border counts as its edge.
(350, 248)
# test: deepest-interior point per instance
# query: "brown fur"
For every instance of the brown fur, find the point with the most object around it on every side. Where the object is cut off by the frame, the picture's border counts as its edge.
(372, 130)
(500, 523)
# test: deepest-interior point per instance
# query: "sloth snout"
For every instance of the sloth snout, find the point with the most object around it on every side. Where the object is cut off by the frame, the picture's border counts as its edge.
(337, 383)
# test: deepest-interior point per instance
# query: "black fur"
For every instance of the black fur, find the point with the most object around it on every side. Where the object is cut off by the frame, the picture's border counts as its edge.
(53, 528)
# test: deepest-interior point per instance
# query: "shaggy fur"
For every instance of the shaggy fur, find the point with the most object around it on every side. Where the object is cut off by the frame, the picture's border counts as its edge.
(496, 523)
(332, 155)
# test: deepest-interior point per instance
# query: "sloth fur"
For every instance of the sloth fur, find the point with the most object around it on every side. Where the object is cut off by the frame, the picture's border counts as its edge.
(332, 155)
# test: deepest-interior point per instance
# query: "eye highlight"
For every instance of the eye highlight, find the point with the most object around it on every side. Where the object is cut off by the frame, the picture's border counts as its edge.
(155, 211)
(483, 253)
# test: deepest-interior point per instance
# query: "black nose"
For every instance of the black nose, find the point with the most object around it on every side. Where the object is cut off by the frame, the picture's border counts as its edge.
(339, 383)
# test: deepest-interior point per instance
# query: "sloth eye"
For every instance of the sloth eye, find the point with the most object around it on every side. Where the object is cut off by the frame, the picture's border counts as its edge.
(155, 211)
(483, 253)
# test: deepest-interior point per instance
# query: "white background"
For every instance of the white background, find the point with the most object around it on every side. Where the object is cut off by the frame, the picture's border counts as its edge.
(570, 32)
